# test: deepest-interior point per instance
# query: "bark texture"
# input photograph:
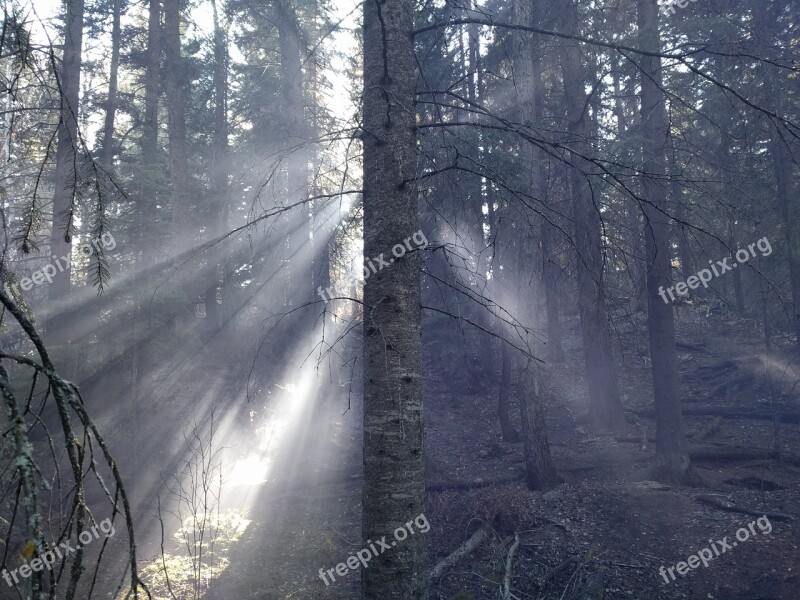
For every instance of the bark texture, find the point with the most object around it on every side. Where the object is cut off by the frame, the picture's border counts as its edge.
(111, 102)
(540, 472)
(394, 478)
(672, 456)
(147, 200)
(219, 166)
(67, 145)
(175, 91)
(605, 406)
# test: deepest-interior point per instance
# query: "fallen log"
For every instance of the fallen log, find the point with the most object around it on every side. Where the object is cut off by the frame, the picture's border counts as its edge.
(734, 453)
(692, 347)
(784, 416)
(475, 483)
(729, 506)
(729, 453)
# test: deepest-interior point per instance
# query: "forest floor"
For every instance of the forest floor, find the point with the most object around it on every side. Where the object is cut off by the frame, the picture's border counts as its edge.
(604, 533)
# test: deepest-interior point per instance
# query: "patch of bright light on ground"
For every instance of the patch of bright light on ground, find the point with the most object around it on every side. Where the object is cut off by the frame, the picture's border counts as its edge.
(277, 433)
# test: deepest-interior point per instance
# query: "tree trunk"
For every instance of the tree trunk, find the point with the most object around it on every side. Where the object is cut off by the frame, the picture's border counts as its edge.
(297, 282)
(107, 154)
(175, 91)
(767, 26)
(394, 474)
(540, 473)
(605, 406)
(789, 209)
(672, 457)
(550, 276)
(67, 146)
(681, 230)
(508, 392)
(219, 166)
(147, 200)
(550, 270)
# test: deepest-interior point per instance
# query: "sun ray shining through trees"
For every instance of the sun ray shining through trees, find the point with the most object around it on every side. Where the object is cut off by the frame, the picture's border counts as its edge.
(449, 299)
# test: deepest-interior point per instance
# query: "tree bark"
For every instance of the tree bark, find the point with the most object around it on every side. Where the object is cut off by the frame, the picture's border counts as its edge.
(547, 231)
(294, 133)
(67, 146)
(540, 472)
(107, 154)
(219, 166)
(767, 27)
(605, 406)
(394, 475)
(508, 392)
(147, 200)
(672, 458)
(175, 91)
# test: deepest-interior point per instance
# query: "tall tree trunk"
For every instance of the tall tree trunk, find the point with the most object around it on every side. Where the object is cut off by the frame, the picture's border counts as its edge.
(789, 208)
(540, 472)
(550, 269)
(67, 147)
(295, 134)
(605, 406)
(736, 276)
(508, 394)
(625, 110)
(219, 165)
(681, 230)
(672, 457)
(394, 475)
(147, 200)
(107, 154)
(175, 91)
(550, 277)
(766, 20)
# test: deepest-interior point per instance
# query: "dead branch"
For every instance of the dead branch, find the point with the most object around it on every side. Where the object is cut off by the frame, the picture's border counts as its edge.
(458, 554)
(509, 559)
(731, 507)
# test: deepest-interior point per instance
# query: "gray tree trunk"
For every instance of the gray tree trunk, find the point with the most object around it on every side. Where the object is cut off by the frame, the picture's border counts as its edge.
(508, 394)
(175, 91)
(605, 406)
(767, 27)
(147, 199)
(672, 457)
(540, 472)
(67, 146)
(394, 475)
(219, 165)
(294, 126)
(111, 102)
